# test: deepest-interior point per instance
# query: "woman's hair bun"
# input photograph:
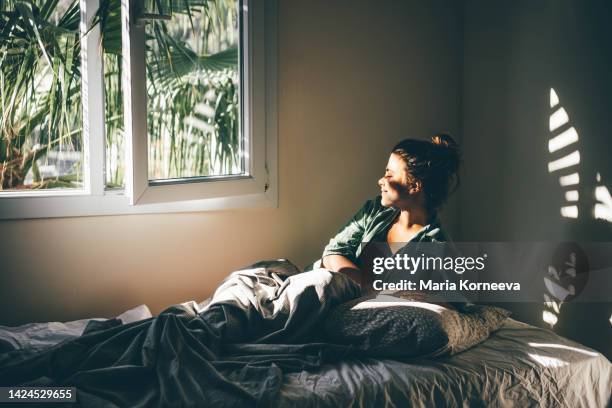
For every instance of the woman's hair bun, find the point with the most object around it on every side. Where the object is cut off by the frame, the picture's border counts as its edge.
(452, 162)
(445, 140)
(451, 151)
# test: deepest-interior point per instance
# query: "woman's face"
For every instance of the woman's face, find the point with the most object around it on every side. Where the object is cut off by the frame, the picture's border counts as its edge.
(395, 185)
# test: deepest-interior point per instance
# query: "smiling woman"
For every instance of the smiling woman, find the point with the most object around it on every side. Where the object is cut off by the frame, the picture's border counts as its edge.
(419, 177)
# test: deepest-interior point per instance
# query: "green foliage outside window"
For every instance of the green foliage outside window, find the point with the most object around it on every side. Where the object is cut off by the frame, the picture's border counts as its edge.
(192, 62)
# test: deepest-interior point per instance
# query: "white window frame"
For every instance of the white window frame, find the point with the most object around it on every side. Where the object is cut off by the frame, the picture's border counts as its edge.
(259, 188)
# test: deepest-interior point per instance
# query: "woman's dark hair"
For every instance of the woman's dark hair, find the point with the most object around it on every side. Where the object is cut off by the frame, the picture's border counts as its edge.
(435, 164)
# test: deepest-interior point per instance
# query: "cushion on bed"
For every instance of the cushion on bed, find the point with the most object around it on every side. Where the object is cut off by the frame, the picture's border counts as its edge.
(389, 326)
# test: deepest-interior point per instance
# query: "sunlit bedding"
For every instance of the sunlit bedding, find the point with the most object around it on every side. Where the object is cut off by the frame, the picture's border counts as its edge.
(255, 343)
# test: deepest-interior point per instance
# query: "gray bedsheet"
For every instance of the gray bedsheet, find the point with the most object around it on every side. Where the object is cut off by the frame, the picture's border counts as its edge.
(518, 366)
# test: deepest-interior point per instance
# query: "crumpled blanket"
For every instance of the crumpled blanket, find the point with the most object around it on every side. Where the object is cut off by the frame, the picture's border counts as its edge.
(37, 336)
(260, 323)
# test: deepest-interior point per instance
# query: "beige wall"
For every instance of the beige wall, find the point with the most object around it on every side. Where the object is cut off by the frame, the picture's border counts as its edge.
(354, 78)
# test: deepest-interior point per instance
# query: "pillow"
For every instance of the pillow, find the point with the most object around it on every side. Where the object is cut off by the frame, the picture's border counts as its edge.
(390, 326)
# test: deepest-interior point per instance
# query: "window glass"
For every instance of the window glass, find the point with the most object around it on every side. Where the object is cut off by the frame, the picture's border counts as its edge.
(193, 85)
(113, 100)
(41, 141)
(109, 17)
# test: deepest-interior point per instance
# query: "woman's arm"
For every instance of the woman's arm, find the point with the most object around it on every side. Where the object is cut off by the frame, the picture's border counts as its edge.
(339, 263)
(346, 242)
(340, 255)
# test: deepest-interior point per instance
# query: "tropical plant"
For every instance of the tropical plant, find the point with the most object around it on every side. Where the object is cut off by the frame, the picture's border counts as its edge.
(39, 87)
(192, 88)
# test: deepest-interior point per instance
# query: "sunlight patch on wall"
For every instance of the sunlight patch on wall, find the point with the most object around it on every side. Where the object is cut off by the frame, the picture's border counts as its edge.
(571, 195)
(561, 139)
(571, 159)
(565, 158)
(603, 207)
(564, 138)
(569, 180)
(570, 211)
(558, 119)
(554, 99)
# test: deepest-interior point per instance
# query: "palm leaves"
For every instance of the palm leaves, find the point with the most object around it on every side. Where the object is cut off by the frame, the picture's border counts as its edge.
(39, 85)
(184, 141)
(193, 98)
(192, 80)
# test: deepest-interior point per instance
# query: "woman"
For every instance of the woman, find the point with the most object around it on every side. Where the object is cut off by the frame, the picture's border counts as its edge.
(419, 177)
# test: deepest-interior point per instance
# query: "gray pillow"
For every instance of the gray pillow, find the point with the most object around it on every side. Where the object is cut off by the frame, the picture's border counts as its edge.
(390, 326)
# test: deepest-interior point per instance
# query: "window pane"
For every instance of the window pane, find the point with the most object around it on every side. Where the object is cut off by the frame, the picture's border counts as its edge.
(113, 100)
(109, 17)
(193, 91)
(40, 93)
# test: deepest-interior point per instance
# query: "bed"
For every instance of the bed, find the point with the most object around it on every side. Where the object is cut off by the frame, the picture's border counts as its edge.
(139, 360)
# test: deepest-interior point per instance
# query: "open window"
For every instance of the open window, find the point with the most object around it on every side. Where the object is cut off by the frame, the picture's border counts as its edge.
(170, 107)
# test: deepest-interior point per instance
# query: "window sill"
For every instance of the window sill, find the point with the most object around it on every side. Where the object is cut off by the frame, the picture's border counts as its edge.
(116, 203)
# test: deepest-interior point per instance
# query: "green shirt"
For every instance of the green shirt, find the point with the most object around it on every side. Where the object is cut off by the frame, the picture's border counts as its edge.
(370, 221)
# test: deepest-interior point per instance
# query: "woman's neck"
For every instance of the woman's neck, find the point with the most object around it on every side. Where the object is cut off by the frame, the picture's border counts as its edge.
(413, 217)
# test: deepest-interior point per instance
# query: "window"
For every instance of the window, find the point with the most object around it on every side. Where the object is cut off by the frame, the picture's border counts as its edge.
(135, 107)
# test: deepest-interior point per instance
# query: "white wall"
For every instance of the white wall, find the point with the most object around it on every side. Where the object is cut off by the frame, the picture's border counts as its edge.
(354, 78)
